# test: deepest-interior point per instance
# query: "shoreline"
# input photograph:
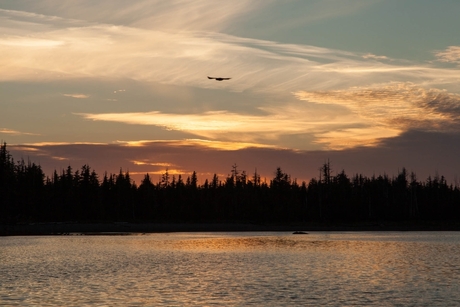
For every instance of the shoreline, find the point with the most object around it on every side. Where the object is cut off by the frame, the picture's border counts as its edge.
(123, 228)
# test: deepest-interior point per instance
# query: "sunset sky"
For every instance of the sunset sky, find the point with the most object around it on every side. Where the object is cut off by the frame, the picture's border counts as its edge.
(370, 85)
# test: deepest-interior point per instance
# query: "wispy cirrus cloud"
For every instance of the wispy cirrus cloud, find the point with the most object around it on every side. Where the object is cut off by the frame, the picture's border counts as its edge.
(175, 15)
(58, 48)
(388, 110)
(15, 132)
(30, 42)
(375, 57)
(78, 96)
(392, 100)
(146, 162)
(371, 97)
(212, 144)
(450, 55)
(368, 115)
(227, 130)
(198, 15)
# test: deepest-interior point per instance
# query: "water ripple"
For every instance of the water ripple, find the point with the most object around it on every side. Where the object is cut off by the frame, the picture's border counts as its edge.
(234, 269)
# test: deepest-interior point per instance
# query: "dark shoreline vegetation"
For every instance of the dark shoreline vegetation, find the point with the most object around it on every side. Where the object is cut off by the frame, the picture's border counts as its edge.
(79, 201)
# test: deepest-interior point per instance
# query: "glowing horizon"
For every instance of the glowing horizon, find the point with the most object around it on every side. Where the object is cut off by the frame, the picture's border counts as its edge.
(307, 78)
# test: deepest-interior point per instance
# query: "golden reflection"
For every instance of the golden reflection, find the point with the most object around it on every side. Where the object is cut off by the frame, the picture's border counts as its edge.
(253, 243)
(234, 269)
(233, 244)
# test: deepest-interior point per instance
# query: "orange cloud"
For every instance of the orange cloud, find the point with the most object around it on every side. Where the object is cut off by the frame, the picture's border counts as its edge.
(440, 154)
(387, 110)
(15, 132)
(78, 96)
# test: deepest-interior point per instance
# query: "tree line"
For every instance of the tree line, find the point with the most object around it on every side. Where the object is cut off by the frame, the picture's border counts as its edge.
(28, 195)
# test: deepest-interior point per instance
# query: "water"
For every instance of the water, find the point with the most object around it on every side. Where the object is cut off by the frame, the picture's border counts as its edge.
(228, 269)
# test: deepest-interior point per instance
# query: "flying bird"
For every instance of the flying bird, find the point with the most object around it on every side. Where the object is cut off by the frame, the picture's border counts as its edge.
(218, 78)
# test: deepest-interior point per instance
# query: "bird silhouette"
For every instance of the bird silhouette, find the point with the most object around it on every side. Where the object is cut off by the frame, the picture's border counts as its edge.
(218, 78)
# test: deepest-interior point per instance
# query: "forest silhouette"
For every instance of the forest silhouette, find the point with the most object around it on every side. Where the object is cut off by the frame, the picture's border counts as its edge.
(28, 195)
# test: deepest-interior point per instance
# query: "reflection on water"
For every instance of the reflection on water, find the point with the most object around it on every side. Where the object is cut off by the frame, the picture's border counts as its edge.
(262, 269)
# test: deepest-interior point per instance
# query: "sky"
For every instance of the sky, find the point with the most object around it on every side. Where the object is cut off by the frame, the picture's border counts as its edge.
(372, 86)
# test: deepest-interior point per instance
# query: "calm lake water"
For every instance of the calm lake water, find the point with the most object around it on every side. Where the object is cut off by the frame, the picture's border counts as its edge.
(227, 269)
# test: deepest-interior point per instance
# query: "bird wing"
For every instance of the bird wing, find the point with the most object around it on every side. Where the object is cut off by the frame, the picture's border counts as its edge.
(218, 78)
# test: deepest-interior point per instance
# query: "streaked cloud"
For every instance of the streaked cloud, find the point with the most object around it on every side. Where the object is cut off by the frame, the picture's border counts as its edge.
(285, 104)
(451, 55)
(60, 158)
(367, 136)
(409, 150)
(217, 145)
(387, 110)
(78, 96)
(375, 57)
(44, 144)
(30, 42)
(56, 51)
(159, 169)
(374, 113)
(178, 15)
(392, 100)
(145, 162)
(15, 132)
(232, 130)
